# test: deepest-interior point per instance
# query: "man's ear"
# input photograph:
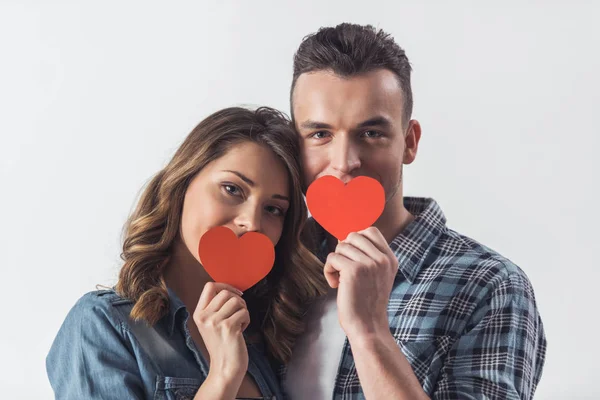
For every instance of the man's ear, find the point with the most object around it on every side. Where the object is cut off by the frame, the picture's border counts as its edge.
(411, 141)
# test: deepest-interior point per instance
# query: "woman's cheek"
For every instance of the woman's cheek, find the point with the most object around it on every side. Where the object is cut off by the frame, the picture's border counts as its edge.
(275, 232)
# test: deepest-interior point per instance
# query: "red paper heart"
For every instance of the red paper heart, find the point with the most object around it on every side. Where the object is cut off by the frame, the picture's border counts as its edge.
(241, 262)
(341, 209)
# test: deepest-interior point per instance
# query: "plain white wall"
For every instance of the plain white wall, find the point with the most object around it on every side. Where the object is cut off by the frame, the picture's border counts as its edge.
(95, 97)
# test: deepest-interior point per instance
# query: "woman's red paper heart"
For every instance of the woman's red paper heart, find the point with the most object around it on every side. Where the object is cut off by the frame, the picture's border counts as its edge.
(341, 209)
(242, 262)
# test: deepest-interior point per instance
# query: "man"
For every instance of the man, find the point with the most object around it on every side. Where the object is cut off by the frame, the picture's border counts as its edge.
(415, 310)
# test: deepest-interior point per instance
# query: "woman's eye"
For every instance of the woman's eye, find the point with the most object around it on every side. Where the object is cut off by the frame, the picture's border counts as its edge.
(232, 189)
(276, 211)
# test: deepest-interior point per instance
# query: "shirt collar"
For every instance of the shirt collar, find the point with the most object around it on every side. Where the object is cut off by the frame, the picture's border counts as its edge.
(175, 305)
(414, 243)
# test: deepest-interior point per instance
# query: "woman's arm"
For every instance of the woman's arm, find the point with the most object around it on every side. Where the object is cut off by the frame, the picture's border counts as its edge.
(216, 387)
(90, 358)
(221, 317)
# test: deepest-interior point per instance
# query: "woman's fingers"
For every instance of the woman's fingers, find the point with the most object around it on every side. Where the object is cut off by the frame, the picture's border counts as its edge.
(212, 289)
(240, 318)
(230, 307)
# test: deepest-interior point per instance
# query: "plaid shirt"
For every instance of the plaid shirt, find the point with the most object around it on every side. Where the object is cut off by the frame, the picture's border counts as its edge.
(464, 316)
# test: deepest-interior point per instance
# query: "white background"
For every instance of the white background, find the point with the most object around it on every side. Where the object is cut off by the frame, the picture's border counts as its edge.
(95, 97)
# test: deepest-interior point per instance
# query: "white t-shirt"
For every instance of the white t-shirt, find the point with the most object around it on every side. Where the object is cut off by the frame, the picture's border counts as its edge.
(315, 361)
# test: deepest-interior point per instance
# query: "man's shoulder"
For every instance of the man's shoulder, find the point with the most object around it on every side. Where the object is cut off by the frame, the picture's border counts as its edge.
(470, 262)
(459, 279)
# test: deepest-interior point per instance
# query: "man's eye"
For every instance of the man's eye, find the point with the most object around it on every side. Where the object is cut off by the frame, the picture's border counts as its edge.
(319, 135)
(372, 134)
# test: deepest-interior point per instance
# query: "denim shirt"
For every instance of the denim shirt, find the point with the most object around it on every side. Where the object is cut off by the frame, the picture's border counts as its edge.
(100, 353)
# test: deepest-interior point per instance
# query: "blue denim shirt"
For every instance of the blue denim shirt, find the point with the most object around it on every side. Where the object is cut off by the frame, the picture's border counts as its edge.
(100, 353)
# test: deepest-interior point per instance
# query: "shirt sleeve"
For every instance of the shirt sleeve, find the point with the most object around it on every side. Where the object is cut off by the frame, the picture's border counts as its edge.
(90, 357)
(501, 354)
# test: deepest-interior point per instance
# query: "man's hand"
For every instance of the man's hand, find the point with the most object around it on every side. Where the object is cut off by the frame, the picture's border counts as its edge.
(363, 268)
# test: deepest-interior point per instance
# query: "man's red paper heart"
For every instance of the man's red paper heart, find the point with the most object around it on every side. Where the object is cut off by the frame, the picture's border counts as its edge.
(242, 262)
(341, 209)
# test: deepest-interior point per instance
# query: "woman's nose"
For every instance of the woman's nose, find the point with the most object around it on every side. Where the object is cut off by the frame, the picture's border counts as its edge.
(248, 221)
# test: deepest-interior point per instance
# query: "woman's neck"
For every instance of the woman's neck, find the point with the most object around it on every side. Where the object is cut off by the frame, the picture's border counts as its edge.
(185, 275)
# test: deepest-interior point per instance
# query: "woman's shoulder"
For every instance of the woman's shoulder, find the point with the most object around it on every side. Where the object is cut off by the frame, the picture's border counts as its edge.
(101, 299)
(92, 351)
(100, 307)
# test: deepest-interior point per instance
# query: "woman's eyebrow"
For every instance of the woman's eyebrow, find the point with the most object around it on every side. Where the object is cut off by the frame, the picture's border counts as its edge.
(252, 184)
(242, 177)
(281, 197)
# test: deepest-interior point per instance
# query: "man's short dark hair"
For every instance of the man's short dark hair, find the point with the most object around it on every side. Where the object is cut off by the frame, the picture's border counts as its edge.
(349, 50)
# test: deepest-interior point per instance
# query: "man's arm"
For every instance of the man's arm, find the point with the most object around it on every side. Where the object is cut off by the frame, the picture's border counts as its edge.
(502, 352)
(383, 370)
(500, 355)
(363, 269)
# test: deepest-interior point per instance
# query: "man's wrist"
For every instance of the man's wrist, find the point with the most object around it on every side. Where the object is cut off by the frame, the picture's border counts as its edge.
(371, 341)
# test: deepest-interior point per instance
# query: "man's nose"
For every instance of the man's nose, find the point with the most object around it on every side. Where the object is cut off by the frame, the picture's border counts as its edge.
(345, 157)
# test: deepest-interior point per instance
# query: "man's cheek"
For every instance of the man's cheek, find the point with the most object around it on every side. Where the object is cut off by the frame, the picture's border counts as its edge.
(313, 166)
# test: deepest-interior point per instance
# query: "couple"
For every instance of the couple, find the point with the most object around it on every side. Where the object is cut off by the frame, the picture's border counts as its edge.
(406, 309)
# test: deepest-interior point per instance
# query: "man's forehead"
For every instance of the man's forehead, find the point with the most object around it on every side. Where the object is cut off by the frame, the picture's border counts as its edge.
(324, 96)
(376, 80)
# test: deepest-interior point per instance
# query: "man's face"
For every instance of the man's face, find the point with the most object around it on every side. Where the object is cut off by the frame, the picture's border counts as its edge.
(353, 127)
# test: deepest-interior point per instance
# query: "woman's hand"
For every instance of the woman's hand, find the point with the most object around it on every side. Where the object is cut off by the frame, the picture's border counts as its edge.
(221, 316)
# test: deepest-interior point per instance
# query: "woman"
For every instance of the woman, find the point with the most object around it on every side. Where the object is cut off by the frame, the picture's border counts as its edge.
(167, 331)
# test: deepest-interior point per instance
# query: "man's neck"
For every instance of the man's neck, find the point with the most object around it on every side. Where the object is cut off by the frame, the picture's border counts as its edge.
(394, 219)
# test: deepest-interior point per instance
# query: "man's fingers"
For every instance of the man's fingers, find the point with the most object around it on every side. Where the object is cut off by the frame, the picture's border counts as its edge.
(333, 266)
(376, 238)
(333, 279)
(351, 251)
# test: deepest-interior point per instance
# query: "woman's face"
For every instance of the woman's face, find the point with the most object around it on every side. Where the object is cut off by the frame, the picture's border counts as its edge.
(246, 190)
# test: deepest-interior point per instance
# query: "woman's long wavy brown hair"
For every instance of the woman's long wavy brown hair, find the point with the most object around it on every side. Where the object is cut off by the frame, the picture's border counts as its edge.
(276, 304)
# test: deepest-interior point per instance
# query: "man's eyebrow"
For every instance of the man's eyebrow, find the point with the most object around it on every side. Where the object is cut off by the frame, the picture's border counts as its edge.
(371, 122)
(252, 184)
(309, 124)
(375, 121)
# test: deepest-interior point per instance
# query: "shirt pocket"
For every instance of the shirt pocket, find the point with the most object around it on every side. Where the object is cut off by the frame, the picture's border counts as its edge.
(170, 388)
(426, 358)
